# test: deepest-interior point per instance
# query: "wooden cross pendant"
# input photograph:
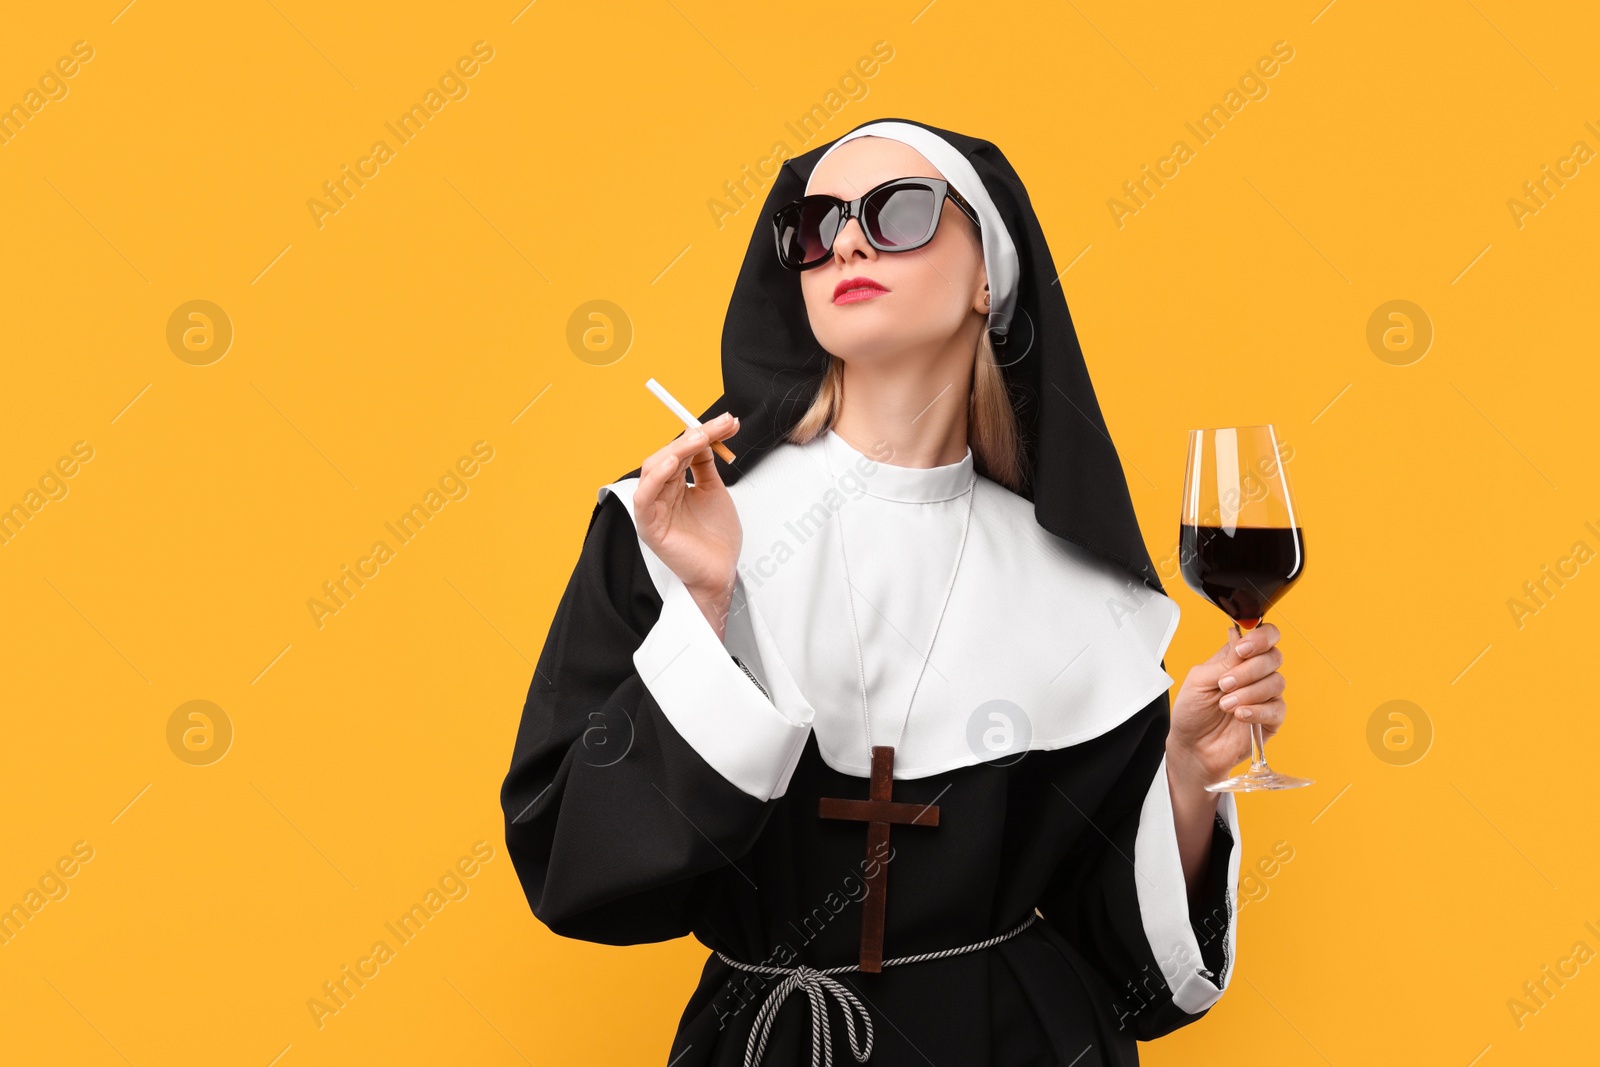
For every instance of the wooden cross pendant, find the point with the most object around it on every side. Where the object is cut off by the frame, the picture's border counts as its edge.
(878, 811)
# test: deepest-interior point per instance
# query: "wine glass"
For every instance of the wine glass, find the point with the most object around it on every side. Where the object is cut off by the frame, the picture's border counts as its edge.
(1241, 547)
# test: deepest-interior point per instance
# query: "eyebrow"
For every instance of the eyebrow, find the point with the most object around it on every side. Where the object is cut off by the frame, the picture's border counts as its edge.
(864, 188)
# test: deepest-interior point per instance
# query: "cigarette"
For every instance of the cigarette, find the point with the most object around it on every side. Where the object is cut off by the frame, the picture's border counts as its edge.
(683, 413)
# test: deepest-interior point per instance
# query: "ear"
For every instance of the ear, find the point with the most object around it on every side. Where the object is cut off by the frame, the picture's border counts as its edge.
(981, 300)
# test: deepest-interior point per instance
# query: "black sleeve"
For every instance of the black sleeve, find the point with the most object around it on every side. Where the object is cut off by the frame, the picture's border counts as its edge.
(1119, 896)
(612, 818)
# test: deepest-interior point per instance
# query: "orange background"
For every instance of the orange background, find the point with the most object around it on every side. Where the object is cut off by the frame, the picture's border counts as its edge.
(432, 311)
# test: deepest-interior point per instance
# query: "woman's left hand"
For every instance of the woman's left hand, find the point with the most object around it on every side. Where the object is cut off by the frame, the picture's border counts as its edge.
(1222, 698)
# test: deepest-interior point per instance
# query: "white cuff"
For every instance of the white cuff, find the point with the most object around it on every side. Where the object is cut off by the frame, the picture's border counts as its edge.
(711, 702)
(702, 691)
(1164, 900)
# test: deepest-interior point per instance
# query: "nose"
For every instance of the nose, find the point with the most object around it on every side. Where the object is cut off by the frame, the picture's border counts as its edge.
(852, 240)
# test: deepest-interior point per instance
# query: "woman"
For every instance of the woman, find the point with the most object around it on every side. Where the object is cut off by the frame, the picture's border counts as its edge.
(922, 568)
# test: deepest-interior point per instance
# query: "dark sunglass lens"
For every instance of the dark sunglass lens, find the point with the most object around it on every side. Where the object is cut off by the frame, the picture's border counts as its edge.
(900, 216)
(788, 222)
(816, 227)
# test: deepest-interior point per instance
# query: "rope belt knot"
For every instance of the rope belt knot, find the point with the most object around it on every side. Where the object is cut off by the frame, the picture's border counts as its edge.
(818, 986)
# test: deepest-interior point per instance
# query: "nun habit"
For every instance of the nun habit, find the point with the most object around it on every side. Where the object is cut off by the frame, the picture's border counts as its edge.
(665, 783)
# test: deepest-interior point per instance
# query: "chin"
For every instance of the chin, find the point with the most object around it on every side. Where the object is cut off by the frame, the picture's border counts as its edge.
(877, 335)
(867, 347)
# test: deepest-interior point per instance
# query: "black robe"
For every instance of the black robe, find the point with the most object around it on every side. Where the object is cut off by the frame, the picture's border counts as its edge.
(621, 833)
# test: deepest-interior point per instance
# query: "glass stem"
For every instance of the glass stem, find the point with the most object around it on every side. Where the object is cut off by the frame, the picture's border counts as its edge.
(1258, 740)
(1258, 749)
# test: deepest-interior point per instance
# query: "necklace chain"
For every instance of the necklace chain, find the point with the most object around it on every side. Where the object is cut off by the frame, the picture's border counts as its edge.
(855, 632)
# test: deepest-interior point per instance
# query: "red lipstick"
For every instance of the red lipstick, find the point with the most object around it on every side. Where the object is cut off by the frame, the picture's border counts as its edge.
(854, 290)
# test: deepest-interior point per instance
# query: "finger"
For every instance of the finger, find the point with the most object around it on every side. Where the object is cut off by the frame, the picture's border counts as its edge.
(679, 447)
(1236, 637)
(694, 438)
(648, 492)
(1263, 637)
(703, 462)
(1269, 713)
(652, 470)
(728, 420)
(659, 469)
(1225, 655)
(1268, 688)
(1251, 670)
(1270, 729)
(1253, 696)
(655, 475)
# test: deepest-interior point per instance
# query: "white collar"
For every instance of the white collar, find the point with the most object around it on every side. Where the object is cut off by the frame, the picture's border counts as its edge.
(886, 481)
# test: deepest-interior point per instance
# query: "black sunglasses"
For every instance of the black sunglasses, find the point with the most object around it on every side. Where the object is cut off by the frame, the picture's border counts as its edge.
(897, 216)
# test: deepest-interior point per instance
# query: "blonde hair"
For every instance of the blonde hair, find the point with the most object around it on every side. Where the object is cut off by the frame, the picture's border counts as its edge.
(992, 429)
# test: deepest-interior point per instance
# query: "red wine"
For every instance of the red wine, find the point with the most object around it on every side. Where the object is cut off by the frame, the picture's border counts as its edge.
(1244, 574)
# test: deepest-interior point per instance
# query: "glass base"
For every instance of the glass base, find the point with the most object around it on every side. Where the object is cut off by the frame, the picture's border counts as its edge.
(1258, 778)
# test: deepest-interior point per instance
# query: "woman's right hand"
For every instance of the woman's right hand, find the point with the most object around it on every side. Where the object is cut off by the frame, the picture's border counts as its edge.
(694, 529)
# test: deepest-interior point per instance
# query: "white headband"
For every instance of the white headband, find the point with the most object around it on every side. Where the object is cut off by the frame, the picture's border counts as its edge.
(999, 254)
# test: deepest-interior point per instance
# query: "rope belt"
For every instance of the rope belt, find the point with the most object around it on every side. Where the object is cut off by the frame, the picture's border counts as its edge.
(818, 984)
